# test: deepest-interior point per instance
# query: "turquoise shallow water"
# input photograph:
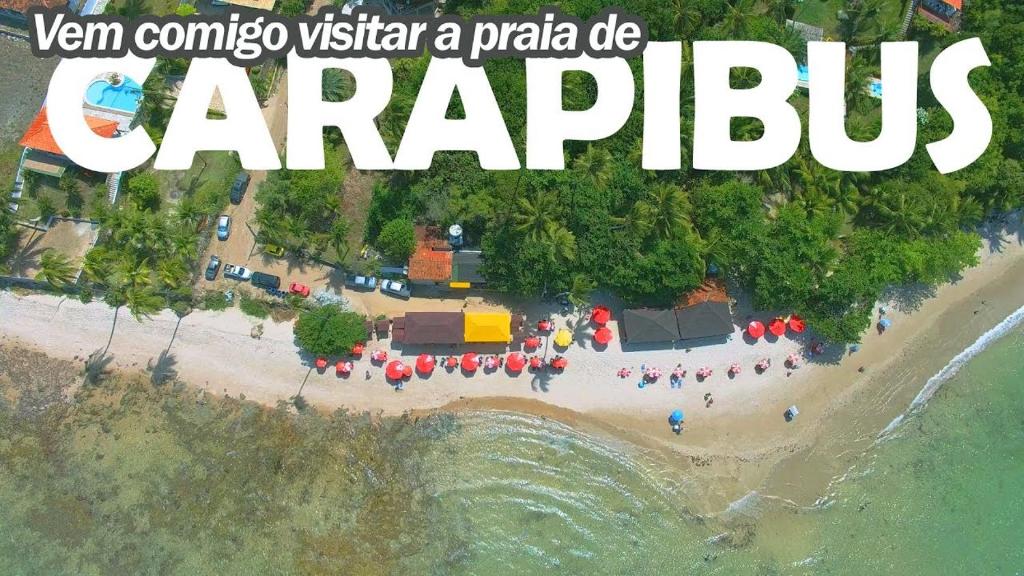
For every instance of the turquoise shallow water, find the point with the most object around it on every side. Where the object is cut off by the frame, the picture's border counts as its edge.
(942, 494)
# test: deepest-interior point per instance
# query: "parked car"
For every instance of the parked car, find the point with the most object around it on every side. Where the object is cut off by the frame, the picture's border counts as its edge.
(238, 188)
(300, 289)
(361, 282)
(261, 280)
(223, 227)
(212, 268)
(237, 272)
(274, 250)
(395, 288)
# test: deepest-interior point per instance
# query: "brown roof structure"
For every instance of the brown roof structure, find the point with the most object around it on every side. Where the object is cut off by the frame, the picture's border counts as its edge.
(432, 260)
(704, 320)
(643, 325)
(712, 290)
(434, 328)
(22, 6)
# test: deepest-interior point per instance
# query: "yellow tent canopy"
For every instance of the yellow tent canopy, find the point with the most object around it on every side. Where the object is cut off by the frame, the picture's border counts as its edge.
(488, 327)
(563, 338)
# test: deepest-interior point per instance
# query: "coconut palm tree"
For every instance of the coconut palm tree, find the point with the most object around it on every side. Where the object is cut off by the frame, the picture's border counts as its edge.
(561, 241)
(779, 10)
(596, 165)
(55, 269)
(686, 17)
(535, 214)
(664, 213)
(737, 16)
(142, 302)
(858, 20)
(336, 85)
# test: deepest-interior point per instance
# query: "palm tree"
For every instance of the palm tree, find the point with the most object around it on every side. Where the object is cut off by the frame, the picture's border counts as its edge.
(142, 302)
(737, 16)
(336, 86)
(55, 269)
(665, 213)
(596, 165)
(779, 10)
(172, 274)
(686, 17)
(561, 241)
(857, 18)
(536, 214)
(858, 70)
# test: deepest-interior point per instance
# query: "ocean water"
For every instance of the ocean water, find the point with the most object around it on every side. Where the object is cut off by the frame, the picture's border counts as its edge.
(941, 492)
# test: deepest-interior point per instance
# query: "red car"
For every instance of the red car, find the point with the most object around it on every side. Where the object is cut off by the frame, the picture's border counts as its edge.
(300, 289)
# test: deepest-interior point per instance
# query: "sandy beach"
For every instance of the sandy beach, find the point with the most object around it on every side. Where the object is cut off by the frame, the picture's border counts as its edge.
(740, 444)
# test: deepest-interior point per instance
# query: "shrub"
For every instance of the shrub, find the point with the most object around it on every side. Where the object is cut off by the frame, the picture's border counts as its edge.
(329, 330)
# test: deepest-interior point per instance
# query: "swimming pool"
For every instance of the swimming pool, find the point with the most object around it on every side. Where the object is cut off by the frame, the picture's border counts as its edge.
(876, 88)
(801, 75)
(124, 97)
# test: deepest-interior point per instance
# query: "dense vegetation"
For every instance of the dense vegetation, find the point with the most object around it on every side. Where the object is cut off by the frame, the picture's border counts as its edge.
(800, 237)
(129, 478)
(329, 330)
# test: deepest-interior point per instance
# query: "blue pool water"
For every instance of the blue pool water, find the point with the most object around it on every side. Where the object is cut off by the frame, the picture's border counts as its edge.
(124, 97)
(876, 88)
(801, 73)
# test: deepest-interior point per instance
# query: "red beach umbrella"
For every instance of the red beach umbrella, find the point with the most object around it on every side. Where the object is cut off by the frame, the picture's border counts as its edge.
(536, 362)
(777, 327)
(755, 329)
(545, 325)
(603, 335)
(321, 363)
(425, 363)
(395, 370)
(515, 362)
(559, 362)
(601, 315)
(796, 324)
(343, 367)
(470, 362)
(358, 349)
(407, 372)
(452, 362)
(532, 342)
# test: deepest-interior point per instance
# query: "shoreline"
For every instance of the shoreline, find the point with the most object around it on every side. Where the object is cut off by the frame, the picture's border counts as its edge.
(738, 446)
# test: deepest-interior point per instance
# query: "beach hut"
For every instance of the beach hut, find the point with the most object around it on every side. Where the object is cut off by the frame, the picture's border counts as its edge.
(777, 327)
(704, 320)
(470, 361)
(486, 327)
(796, 324)
(395, 370)
(434, 328)
(600, 315)
(603, 335)
(424, 363)
(563, 338)
(647, 325)
(755, 329)
(515, 362)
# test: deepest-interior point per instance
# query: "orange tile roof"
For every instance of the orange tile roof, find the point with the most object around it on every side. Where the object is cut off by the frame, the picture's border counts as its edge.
(958, 4)
(430, 265)
(38, 136)
(712, 290)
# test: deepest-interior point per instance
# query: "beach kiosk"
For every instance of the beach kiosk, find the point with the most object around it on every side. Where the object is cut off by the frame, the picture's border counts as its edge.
(487, 327)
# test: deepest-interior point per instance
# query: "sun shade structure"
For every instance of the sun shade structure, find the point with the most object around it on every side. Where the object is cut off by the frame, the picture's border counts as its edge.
(395, 370)
(424, 363)
(488, 327)
(603, 335)
(38, 136)
(796, 324)
(704, 320)
(434, 328)
(755, 329)
(642, 325)
(515, 362)
(777, 327)
(470, 361)
(563, 338)
(601, 315)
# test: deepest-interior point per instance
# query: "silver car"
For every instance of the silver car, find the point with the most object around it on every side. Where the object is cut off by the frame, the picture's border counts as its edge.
(223, 227)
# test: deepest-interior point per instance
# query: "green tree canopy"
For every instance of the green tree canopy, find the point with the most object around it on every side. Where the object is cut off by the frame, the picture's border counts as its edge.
(397, 240)
(329, 330)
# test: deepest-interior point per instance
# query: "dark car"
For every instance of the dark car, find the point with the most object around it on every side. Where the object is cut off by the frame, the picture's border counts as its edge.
(261, 280)
(238, 188)
(358, 282)
(212, 268)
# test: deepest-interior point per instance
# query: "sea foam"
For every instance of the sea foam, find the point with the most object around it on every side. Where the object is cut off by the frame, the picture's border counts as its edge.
(949, 370)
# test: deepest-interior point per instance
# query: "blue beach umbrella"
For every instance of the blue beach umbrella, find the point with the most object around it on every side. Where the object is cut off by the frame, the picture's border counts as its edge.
(676, 417)
(885, 323)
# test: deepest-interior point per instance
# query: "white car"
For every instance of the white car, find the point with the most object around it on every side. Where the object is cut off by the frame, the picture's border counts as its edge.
(237, 272)
(395, 288)
(223, 227)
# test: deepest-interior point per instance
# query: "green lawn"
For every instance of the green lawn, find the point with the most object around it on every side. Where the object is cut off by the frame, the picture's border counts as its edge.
(823, 13)
(155, 7)
(208, 181)
(92, 189)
